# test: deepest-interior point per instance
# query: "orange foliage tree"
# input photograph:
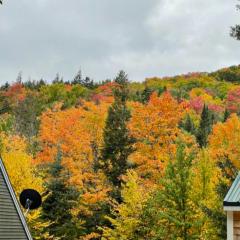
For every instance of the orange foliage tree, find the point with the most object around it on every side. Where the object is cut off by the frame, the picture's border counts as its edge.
(15, 94)
(225, 139)
(155, 126)
(104, 93)
(78, 133)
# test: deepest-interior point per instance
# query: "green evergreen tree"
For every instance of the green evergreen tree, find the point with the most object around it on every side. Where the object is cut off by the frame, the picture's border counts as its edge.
(226, 115)
(78, 78)
(235, 30)
(88, 83)
(5, 86)
(118, 144)
(171, 212)
(85, 82)
(188, 125)
(26, 115)
(5, 106)
(19, 78)
(61, 200)
(137, 97)
(161, 90)
(145, 96)
(57, 79)
(205, 127)
(34, 85)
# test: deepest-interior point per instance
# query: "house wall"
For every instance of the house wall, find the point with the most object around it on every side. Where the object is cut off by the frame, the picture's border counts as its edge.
(236, 225)
(10, 223)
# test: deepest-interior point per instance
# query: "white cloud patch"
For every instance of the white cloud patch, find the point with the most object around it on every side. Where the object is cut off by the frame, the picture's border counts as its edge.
(145, 38)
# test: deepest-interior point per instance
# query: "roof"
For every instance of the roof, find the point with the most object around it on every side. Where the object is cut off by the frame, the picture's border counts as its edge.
(12, 221)
(233, 196)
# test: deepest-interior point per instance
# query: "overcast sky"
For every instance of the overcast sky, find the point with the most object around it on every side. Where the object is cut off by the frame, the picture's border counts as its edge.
(143, 37)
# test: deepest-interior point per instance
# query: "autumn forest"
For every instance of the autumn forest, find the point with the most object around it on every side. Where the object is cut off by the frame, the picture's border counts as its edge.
(124, 160)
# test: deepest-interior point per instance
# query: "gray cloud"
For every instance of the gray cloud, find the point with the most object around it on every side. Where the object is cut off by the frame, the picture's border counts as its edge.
(143, 37)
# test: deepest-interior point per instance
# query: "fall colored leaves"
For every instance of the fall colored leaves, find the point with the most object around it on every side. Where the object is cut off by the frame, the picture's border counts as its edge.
(155, 126)
(78, 131)
(71, 120)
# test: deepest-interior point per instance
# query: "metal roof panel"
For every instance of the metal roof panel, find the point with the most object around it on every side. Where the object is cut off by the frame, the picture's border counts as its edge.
(233, 196)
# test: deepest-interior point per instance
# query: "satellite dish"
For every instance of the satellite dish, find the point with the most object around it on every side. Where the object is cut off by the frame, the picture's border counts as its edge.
(30, 199)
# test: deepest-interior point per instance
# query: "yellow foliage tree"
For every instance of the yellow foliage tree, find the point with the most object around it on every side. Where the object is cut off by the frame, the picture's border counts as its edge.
(19, 164)
(206, 178)
(127, 214)
(22, 174)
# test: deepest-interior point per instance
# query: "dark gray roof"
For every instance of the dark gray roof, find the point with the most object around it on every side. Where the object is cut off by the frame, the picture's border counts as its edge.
(13, 225)
(233, 196)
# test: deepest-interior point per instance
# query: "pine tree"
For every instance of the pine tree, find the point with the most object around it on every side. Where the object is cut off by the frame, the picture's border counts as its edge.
(118, 144)
(171, 212)
(145, 96)
(85, 82)
(235, 30)
(57, 79)
(205, 127)
(19, 78)
(78, 78)
(5, 86)
(161, 90)
(226, 115)
(88, 83)
(61, 200)
(188, 125)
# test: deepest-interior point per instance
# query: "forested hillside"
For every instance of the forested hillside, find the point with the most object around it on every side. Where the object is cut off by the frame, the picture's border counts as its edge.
(122, 160)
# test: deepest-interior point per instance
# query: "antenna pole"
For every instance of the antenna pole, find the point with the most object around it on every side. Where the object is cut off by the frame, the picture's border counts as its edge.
(27, 206)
